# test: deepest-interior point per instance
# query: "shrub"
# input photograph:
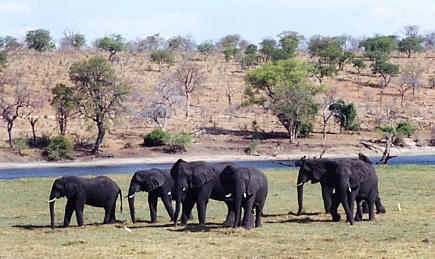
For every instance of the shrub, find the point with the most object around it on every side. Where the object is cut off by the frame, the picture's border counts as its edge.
(60, 148)
(178, 141)
(405, 128)
(157, 137)
(19, 145)
(305, 129)
(253, 146)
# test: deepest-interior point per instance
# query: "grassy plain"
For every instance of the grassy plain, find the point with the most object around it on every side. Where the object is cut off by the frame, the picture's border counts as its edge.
(409, 233)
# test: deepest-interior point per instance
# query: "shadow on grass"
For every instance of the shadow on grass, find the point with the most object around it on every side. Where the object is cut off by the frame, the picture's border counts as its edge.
(34, 227)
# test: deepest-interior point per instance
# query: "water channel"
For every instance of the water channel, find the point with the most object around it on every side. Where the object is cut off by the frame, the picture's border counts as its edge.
(14, 173)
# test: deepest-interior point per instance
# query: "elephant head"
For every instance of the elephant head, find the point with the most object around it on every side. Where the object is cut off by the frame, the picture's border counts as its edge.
(67, 186)
(146, 180)
(187, 175)
(311, 170)
(240, 183)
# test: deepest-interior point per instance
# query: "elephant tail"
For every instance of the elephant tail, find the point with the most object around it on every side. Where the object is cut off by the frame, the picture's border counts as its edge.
(120, 197)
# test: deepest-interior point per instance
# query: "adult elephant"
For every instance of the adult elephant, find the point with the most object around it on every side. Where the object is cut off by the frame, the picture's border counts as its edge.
(159, 184)
(247, 186)
(195, 183)
(100, 191)
(348, 177)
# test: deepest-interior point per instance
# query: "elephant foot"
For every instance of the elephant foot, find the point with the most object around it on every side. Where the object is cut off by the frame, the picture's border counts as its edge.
(153, 221)
(381, 210)
(228, 223)
(336, 218)
(358, 219)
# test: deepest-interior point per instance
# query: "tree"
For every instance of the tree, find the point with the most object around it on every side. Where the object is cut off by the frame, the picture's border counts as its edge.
(267, 49)
(113, 44)
(379, 47)
(13, 99)
(64, 105)
(284, 87)
(345, 114)
(39, 40)
(206, 49)
(328, 98)
(9, 43)
(387, 71)
(410, 45)
(162, 57)
(72, 40)
(3, 59)
(98, 94)
(429, 40)
(149, 44)
(190, 77)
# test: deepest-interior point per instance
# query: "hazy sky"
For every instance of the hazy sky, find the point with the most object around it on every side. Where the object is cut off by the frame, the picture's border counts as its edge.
(204, 20)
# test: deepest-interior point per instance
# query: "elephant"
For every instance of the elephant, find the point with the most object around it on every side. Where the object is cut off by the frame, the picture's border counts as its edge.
(195, 183)
(248, 188)
(99, 191)
(349, 178)
(158, 183)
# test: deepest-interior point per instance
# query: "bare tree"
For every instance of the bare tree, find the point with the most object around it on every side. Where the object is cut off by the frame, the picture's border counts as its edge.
(31, 112)
(167, 96)
(190, 78)
(328, 98)
(13, 98)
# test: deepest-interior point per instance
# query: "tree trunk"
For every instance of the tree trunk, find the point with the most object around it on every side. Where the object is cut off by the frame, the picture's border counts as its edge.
(100, 138)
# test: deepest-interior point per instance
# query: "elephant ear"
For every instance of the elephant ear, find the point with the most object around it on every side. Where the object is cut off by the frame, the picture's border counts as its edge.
(153, 180)
(255, 179)
(73, 187)
(202, 173)
(359, 171)
(319, 167)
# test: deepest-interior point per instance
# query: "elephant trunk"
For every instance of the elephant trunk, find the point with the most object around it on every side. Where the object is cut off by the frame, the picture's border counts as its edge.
(238, 196)
(177, 208)
(300, 198)
(51, 204)
(131, 205)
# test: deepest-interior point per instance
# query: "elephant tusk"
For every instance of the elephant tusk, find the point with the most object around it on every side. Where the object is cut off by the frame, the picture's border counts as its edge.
(350, 190)
(132, 196)
(300, 184)
(228, 195)
(333, 190)
(52, 200)
(169, 193)
(244, 194)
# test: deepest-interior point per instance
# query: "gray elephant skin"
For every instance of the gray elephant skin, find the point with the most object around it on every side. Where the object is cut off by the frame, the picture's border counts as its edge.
(195, 183)
(248, 188)
(351, 180)
(100, 191)
(159, 184)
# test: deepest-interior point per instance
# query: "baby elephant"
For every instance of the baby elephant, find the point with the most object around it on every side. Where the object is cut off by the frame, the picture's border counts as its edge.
(158, 183)
(100, 191)
(247, 187)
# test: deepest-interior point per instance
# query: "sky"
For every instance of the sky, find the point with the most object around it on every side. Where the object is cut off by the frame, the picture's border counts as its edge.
(205, 20)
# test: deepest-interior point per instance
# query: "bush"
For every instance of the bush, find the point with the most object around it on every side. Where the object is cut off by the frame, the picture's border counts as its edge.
(305, 129)
(60, 148)
(405, 128)
(253, 146)
(157, 137)
(19, 145)
(178, 141)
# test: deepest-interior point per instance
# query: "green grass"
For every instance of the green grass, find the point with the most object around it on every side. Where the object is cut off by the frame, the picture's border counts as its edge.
(409, 233)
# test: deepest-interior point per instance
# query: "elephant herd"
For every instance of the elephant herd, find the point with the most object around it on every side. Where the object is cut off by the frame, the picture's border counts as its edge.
(344, 181)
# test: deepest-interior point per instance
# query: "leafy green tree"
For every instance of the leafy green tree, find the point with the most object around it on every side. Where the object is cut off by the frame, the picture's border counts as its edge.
(11, 43)
(268, 47)
(162, 57)
(39, 40)
(206, 49)
(59, 148)
(113, 44)
(284, 87)
(64, 105)
(386, 69)
(379, 47)
(411, 45)
(345, 113)
(3, 59)
(288, 45)
(405, 128)
(99, 95)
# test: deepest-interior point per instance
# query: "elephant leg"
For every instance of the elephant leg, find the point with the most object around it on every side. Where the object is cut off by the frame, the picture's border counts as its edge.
(335, 202)
(79, 214)
(326, 195)
(229, 221)
(351, 197)
(248, 218)
(202, 209)
(166, 199)
(379, 207)
(152, 203)
(188, 204)
(69, 209)
(258, 214)
(359, 209)
(111, 210)
(345, 203)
